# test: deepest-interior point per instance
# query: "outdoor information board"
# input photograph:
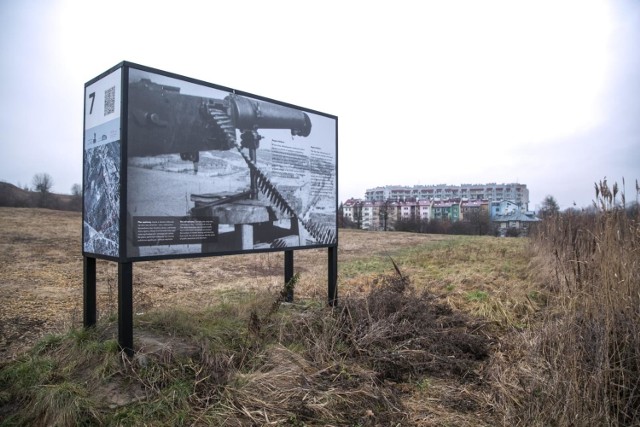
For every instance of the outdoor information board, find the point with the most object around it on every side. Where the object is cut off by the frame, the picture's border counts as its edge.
(176, 167)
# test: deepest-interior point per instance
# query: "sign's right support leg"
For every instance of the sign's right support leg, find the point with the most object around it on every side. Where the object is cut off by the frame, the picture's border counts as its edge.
(288, 273)
(333, 276)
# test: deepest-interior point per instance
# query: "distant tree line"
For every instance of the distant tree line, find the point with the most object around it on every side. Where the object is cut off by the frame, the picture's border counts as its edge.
(40, 195)
(476, 225)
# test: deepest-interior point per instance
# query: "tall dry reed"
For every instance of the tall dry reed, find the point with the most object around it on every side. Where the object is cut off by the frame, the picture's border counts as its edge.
(583, 363)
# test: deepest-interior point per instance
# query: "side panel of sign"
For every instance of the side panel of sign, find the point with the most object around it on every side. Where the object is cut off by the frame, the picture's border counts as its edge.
(101, 166)
(210, 171)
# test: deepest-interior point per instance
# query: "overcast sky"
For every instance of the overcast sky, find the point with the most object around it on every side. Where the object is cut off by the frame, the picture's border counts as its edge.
(545, 93)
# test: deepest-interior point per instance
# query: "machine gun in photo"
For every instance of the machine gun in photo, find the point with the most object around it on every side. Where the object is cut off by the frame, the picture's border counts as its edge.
(164, 121)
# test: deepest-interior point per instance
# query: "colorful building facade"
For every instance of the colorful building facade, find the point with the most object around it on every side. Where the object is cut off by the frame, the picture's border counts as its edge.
(514, 192)
(383, 207)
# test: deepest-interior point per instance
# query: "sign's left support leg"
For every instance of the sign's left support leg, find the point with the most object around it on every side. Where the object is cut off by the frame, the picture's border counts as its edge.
(125, 307)
(89, 292)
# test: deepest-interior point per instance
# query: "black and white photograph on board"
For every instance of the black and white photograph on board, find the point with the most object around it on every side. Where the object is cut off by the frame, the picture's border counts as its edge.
(211, 171)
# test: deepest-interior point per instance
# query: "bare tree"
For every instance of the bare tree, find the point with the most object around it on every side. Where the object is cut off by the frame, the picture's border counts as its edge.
(357, 214)
(76, 197)
(42, 183)
(76, 190)
(479, 221)
(383, 215)
(549, 207)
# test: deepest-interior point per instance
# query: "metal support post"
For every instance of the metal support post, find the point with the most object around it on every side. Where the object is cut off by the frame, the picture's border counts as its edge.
(89, 292)
(333, 276)
(288, 273)
(125, 307)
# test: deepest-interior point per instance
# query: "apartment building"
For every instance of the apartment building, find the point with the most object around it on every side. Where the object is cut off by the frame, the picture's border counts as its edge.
(446, 211)
(504, 207)
(515, 192)
(472, 209)
(384, 215)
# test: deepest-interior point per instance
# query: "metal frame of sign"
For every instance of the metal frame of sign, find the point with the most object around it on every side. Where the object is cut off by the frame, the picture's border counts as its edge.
(144, 132)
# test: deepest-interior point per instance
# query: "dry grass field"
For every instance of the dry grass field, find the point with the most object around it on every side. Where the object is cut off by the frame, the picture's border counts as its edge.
(41, 273)
(465, 293)
(429, 331)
